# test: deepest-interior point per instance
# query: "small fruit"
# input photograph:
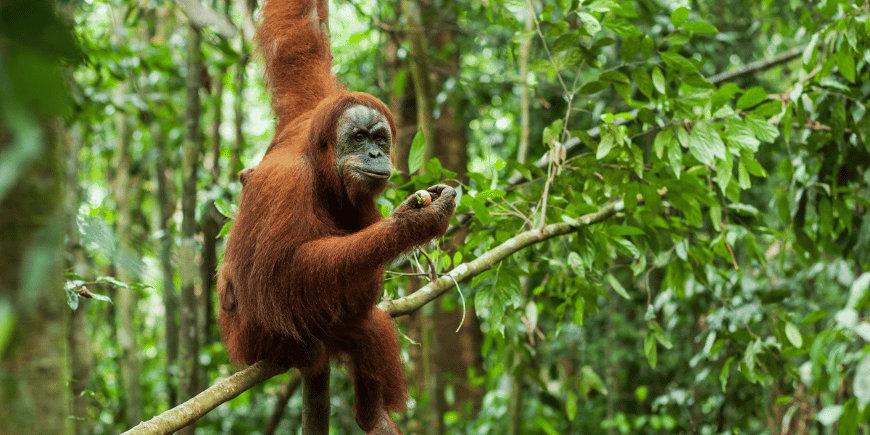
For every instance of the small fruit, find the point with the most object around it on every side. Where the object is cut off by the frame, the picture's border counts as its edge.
(424, 198)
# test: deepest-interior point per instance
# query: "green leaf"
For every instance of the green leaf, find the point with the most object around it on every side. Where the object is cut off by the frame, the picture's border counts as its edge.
(643, 82)
(627, 247)
(606, 144)
(487, 194)
(723, 95)
(481, 211)
(615, 77)
(592, 87)
(675, 156)
(590, 24)
(751, 97)
(629, 48)
(649, 349)
(564, 42)
(623, 27)
(723, 375)
(418, 150)
(793, 334)
(623, 230)
(552, 131)
(571, 406)
(861, 383)
(357, 37)
(814, 317)
(679, 16)
(400, 81)
(617, 287)
(658, 79)
(846, 65)
(705, 143)
(858, 292)
(700, 27)
(763, 130)
(678, 62)
(647, 45)
(662, 140)
(724, 171)
(625, 9)
(848, 422)
(223, 207)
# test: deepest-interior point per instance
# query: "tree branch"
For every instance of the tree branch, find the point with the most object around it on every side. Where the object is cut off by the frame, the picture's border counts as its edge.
(434, 289)
(227, 389)
(200, 405)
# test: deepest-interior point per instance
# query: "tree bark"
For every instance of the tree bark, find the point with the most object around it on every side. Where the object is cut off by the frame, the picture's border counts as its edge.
(126, 300)
(166, 207)
(189, 332)
(78, 334)
(33, 362)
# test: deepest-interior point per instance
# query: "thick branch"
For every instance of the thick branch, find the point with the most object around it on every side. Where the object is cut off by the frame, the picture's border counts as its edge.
(434, 289)
(200, 405)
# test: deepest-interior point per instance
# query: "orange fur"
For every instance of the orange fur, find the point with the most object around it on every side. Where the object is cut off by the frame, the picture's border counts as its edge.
(305, 258)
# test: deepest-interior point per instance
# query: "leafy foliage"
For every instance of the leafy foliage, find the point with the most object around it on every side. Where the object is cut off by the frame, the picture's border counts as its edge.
(728, 293)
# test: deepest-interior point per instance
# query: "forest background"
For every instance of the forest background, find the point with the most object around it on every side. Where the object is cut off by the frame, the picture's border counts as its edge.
(662, 227)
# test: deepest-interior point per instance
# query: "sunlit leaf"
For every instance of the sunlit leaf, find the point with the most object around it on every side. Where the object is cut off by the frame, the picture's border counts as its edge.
(751, 97)
(679, 16)
(793, 334)
(418, 150)
(700, 27)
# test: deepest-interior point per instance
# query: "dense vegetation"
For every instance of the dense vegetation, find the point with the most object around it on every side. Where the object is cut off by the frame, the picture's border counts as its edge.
(662, 228)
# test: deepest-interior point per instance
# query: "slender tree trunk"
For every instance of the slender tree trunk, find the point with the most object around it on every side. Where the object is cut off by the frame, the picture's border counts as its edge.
(238, 110)
(127, 300)
(165, 209)
(212, 219)
(189, 333)
(33, 366)
(418, 66)
(78, 335)
(419, 70)
(525, 111)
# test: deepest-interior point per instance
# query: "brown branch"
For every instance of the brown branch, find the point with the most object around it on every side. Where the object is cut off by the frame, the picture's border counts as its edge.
(201, 404)
(434, 289)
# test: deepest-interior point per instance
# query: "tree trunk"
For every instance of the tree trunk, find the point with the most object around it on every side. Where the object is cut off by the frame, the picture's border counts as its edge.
(126, 300)
(78, 334)
(418, 66)
(189, 332)
(33, 363)
(166, 207)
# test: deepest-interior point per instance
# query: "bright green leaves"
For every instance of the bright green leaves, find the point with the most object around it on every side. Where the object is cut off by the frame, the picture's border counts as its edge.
(679, 16)
(678, 62)
(700, 27)
(751, 97)
(705, 144)
(846, 64)
(417, 153)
